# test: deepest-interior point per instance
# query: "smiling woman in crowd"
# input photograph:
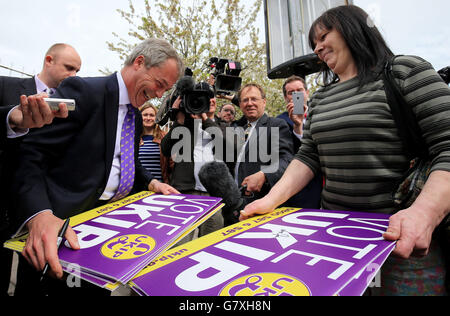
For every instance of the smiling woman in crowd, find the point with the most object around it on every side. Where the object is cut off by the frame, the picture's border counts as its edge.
(150, 150)
(351, 136)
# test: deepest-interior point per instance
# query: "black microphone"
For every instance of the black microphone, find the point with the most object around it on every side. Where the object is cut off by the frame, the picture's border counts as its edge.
(218, 181)
(185, 84)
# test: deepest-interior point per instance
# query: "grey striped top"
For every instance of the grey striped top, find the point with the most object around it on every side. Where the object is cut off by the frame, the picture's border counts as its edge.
(350, 135)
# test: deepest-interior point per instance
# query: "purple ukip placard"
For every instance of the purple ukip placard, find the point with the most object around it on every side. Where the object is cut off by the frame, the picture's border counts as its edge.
(289, 252)
(120, 239)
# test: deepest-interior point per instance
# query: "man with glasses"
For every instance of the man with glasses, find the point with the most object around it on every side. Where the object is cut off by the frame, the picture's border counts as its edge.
(227, 113)
(267, 149)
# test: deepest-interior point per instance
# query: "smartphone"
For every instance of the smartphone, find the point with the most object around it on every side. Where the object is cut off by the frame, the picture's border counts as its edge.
(299, 100)
(54, 103)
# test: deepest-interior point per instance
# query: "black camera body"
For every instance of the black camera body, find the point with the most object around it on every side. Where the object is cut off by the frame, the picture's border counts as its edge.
(195, 99)
(226, 73)
(445, 74)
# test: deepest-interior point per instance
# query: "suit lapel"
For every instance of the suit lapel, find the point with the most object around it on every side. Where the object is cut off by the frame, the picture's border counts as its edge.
(241, 122)
(262, 121)
(28, 87)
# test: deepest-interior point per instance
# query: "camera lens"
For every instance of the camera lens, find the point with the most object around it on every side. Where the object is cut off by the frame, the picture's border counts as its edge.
(197, 102)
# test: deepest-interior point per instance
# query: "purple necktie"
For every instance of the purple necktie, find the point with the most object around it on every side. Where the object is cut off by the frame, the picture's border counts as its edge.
(127, 171)
(49, 91)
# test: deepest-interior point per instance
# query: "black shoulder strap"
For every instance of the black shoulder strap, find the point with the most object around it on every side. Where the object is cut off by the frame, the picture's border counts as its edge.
(403, 114)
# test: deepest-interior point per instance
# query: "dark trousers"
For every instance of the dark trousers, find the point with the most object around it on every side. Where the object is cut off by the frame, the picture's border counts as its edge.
(6, 257)
(28, 284)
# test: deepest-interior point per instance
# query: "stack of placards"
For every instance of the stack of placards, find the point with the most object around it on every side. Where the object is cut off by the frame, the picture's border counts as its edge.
(118, 240)
(289, 252)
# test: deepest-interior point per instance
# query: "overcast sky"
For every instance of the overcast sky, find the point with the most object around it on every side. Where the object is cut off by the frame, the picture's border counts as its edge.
(30, 27)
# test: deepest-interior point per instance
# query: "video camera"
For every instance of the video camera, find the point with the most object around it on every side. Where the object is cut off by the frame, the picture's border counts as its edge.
(226, 73)
(195, 99)
(445, 74)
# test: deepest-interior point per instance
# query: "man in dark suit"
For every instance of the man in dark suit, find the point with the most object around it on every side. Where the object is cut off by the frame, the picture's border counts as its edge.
(266, 137)
(60, 62)
(74, 165)
(295, 122)
(310, 196)
(4, 111)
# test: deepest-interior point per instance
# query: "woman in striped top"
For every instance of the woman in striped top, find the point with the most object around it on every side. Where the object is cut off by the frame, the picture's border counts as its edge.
(150, 152)
(350, 135)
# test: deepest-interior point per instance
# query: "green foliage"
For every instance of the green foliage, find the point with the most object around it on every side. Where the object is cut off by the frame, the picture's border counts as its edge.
(199, 30)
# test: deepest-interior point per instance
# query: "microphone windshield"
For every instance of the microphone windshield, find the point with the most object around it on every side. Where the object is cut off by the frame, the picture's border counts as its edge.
(185, 84)
(218, 181)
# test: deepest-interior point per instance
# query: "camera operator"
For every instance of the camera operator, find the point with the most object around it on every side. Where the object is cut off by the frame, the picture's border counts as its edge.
(197, 149)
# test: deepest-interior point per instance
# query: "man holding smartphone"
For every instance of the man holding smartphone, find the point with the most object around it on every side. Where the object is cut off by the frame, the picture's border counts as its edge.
(294, 116)
(60, 62)
(296, 94)
(82, 162)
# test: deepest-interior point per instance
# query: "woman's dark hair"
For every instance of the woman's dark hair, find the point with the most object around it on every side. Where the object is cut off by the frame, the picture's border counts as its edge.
(367, 46)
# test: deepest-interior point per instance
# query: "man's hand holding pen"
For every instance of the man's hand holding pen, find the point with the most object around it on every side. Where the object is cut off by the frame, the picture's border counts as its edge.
(42, 244)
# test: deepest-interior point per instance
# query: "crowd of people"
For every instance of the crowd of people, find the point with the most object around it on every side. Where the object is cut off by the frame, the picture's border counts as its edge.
(344, 153)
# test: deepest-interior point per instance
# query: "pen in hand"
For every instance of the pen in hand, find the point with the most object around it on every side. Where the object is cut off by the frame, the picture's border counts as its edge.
(61, 234)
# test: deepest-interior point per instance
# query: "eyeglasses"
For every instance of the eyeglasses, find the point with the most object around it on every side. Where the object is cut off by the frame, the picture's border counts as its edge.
(229, 111)
(248, 100)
